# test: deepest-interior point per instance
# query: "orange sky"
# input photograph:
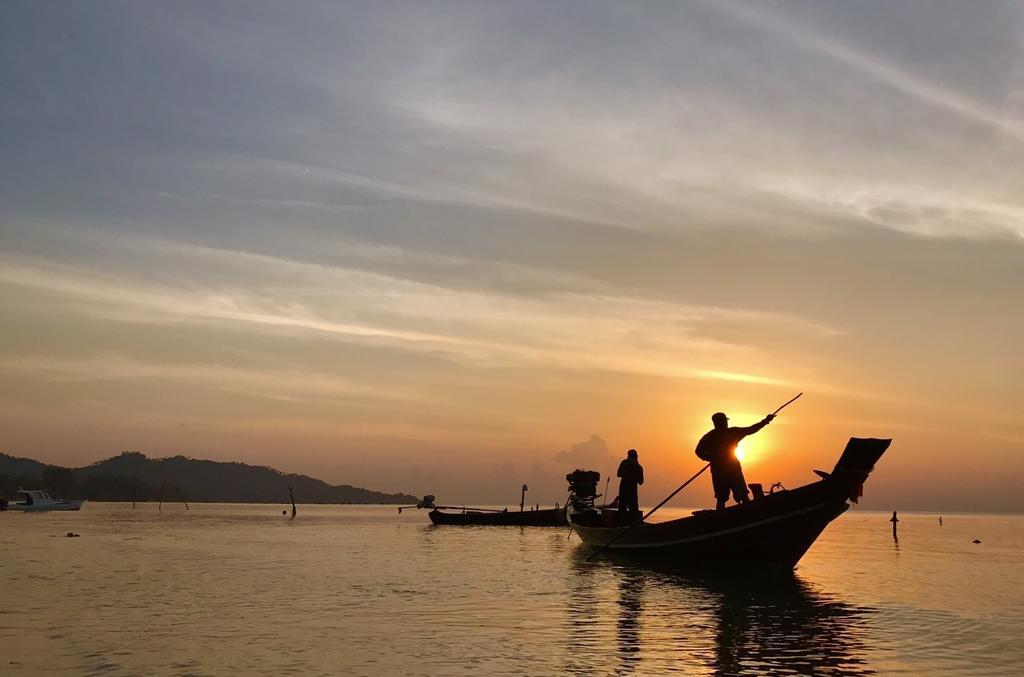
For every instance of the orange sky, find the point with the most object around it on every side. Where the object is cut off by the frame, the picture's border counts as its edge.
(437, 252)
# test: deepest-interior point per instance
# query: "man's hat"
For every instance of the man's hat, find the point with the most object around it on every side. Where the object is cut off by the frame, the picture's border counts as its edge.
(719, 418)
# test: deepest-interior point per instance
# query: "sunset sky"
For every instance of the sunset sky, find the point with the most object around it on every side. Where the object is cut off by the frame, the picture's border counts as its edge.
(452, 248)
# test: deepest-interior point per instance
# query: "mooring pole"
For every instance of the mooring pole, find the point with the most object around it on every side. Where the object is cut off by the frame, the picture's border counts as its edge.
(894, 521)
(522, 498)
(291, 493)
(160, 505)
(181, 496)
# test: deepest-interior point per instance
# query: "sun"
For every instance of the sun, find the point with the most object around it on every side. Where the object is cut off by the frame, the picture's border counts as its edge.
(748, 449)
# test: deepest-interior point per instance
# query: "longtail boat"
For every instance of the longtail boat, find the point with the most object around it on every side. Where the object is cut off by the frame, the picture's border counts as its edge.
(775, 529)
(551, 517)
(463, 516)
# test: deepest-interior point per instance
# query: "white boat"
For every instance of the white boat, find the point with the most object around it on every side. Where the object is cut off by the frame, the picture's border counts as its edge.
(37, 500)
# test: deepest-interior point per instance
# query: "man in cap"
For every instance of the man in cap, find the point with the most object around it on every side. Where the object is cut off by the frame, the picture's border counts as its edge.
(632, 474)
(719, 447)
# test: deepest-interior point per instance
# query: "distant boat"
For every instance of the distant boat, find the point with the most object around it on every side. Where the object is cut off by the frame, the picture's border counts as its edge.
(463, 516)
(37, 500)
(552, 517)
(774, 530)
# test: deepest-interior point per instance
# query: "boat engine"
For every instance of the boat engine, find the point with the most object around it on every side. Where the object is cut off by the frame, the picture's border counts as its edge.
(583, 488)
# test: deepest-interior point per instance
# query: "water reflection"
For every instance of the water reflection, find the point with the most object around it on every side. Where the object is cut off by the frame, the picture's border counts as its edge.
(631, 592)
(733, 623)
(584, 654)
(780, 624)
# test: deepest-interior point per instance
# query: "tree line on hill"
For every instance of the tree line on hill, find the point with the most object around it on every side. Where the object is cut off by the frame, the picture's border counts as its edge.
(132, 476)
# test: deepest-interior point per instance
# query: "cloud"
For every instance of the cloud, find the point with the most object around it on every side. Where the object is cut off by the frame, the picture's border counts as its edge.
(630, 334)
(906, 83)
(292, 385)
(591, 454)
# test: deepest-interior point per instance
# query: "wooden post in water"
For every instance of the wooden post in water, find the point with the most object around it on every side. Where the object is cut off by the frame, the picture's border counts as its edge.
(522, 498)
(135, 492)
(894, 520)
(292, 494)
(181, 496)
(160, 505)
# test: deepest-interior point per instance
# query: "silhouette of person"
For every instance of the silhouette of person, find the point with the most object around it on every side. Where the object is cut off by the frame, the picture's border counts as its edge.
(718, 446)
(632, 474)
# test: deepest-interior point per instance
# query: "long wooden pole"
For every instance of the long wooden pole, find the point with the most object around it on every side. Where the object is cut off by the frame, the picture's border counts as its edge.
(787, 404)
(681, 487)
(292, 495)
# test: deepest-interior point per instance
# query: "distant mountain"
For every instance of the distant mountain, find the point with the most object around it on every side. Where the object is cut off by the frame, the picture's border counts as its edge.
(134, 476)
(13, 466)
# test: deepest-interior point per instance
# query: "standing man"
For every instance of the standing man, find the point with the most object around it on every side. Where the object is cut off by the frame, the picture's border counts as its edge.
(719, 447)
(632, 474)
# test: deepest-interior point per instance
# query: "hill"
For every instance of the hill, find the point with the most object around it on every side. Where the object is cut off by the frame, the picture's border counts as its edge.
(134, 475)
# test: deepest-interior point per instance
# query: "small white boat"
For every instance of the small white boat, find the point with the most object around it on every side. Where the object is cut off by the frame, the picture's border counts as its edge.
(37, 500)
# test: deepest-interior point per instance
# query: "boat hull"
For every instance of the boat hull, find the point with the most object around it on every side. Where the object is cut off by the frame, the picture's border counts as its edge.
(773, 531)
(525, 518)
(50, 507)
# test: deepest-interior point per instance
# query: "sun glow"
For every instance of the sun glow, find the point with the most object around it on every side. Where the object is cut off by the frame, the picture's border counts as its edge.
(749, 449)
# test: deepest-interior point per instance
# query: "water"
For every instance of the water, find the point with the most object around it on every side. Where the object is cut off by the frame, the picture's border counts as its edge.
(231, 589)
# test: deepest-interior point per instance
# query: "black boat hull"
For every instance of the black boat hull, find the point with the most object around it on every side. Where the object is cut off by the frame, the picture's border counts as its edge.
(525, 518)
(775, 531)
(772, 531)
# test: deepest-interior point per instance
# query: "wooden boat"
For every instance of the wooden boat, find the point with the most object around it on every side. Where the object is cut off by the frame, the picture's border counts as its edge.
(552, 517)
(775, 530)
(463, 516)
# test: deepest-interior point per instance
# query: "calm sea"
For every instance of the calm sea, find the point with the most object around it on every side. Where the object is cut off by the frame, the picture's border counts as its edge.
(232, 589)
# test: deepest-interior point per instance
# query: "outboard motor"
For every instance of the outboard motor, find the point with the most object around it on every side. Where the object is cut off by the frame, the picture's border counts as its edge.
(583, 488)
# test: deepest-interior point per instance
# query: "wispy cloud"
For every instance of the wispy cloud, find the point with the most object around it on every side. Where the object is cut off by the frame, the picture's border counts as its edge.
(279, 384)
(915, 86)
(625, 333)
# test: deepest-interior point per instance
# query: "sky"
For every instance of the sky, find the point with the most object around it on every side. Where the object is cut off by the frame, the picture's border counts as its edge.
(456, 247)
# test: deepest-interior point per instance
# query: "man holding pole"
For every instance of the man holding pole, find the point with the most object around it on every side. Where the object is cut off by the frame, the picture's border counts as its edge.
(710, 450)
(718, 446)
